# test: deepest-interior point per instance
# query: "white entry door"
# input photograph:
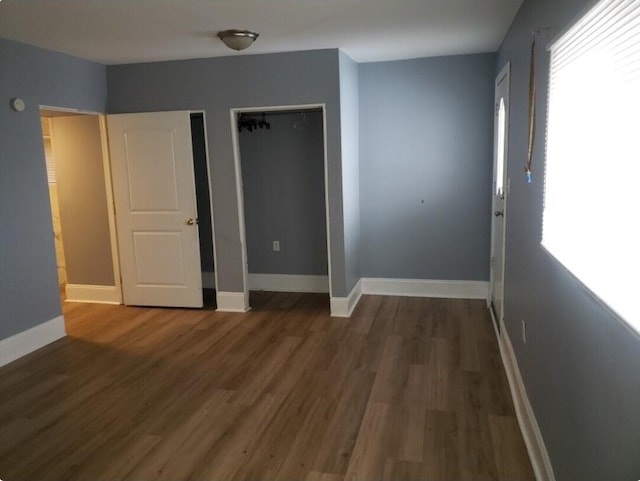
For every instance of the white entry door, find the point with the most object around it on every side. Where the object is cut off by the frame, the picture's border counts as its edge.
(499, 194)
(155, 200)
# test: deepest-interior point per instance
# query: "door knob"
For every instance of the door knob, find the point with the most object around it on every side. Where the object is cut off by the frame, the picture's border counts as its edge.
(499, 213)
(191, 221)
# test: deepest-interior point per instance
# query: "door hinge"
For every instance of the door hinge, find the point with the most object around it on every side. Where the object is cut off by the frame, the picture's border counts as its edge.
(493, 261)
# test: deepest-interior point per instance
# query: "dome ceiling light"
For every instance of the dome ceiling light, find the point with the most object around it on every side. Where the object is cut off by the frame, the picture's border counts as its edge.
(237, 39)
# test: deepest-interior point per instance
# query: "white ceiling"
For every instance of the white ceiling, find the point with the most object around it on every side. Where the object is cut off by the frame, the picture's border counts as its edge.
(127, 31)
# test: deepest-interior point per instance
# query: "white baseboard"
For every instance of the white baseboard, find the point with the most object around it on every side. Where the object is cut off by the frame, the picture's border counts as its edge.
(28, 341)
(209, 280)
(95, 294)
(426, 288)
(526, 418)
(288, 283)
(231, 302)
(344, 306)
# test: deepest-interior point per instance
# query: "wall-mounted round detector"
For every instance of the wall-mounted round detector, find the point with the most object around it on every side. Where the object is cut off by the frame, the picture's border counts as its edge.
(17, 104)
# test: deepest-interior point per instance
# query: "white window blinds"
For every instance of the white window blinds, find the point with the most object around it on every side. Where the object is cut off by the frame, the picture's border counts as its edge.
(591, 220)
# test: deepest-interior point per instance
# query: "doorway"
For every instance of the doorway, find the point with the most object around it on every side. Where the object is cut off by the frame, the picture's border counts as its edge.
(500, 193)
(81, 204)
(281, 177)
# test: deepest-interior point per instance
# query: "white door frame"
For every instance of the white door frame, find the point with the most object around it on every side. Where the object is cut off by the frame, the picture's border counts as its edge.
(106, 164)
(234, 112)
(503, 76)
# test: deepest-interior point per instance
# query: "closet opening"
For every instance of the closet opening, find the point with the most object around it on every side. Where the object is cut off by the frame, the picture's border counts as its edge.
(281, 165)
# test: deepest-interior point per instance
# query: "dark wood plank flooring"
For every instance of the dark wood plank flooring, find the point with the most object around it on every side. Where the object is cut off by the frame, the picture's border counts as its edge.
(406, 389)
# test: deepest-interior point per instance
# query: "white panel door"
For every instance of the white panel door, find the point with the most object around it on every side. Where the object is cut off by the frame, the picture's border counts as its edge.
(156, 217)
(499, 194)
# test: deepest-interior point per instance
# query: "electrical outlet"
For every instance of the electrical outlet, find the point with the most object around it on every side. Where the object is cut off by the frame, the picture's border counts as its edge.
(524, 331)
(276, 246)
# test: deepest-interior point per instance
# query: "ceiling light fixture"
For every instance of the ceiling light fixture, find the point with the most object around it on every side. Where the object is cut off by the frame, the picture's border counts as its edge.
(237, 39)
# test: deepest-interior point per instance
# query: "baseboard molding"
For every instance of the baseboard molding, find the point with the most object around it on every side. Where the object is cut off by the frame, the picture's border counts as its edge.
(344, 306)
(536, 448)
(30, 340)
(209, 280)
(231, 302)
(426, 288)
(288, 283)
(94, 294)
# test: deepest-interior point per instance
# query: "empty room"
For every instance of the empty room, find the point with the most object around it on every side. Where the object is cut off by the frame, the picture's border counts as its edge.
(329, 240)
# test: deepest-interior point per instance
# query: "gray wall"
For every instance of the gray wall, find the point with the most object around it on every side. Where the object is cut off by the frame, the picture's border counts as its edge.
(350, 147)
(216, 85)
(580, 364)
(426, 130)
(283, 184)
(28, 279)
(82, 198)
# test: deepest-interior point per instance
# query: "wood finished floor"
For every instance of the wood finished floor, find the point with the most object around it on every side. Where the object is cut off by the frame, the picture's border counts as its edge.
(407, 389)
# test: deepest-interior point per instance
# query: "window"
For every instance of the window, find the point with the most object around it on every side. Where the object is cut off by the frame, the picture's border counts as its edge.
(591, 220)
(48, 150)
(500, 159)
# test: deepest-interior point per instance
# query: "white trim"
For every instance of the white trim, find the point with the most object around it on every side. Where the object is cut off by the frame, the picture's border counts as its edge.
(30, 340)
(344, 306)
(231, 302)
(106, 165)
(536, 448)
(209, 280)
(111, 213)
(95, 294)
(69, 110)
(239, 189)
(426, 288)
(326, 193)
(288, 283)
(503, 81)
(240, 201)
(495, 322)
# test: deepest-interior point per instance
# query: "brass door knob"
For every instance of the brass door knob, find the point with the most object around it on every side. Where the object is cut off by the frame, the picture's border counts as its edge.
(191, 221)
